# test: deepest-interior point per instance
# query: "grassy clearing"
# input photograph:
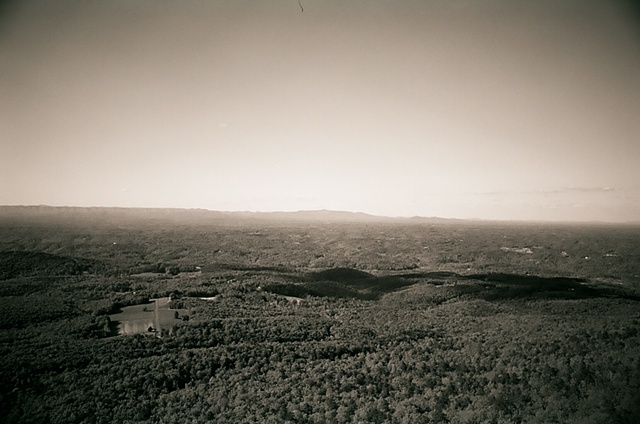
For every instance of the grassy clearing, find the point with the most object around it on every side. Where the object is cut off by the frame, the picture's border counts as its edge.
(157, 314)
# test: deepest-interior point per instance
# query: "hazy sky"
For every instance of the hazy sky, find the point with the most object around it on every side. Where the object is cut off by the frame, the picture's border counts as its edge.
(501, 109)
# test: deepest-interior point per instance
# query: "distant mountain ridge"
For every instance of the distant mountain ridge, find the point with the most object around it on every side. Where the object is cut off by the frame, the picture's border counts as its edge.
(315, 215)
(198, 215)
(323, 215)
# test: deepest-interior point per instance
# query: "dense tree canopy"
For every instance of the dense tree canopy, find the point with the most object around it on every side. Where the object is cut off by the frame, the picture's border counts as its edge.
(320, 323)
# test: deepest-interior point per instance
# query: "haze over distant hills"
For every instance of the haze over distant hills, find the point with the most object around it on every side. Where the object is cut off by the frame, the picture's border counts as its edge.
(114, 214)
(190, 215)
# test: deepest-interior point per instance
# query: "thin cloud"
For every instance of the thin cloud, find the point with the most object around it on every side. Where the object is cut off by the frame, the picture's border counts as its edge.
(543, 192)
(588, 189)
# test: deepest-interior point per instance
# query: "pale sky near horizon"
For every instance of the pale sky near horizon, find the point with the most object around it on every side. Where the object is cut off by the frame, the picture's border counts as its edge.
(495, 109)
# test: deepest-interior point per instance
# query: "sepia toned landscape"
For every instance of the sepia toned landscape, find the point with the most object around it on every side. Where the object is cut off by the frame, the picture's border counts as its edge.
(304, 211)
(158, 315)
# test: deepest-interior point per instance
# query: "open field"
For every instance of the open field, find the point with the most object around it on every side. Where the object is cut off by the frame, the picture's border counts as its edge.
(135, 319)
(155, 317)
(354, 319)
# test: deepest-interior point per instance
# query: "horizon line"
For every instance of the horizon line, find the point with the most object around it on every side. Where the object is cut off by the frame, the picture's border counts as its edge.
(333, 211)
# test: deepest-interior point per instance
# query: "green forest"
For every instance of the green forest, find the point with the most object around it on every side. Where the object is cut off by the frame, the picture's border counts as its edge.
(272, 319)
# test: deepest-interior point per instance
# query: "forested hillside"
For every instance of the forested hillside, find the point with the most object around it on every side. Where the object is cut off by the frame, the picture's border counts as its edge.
(313, 321)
